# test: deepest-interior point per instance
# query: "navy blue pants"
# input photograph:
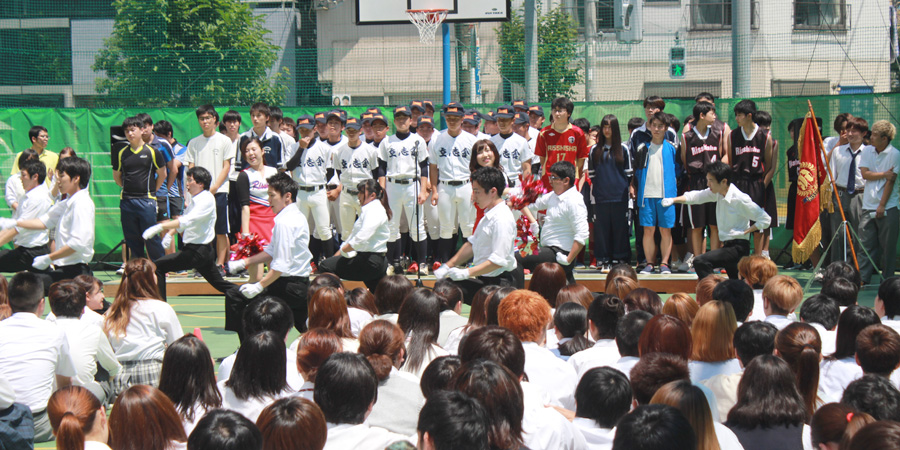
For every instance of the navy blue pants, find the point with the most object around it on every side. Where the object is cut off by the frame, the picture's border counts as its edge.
(137, 215)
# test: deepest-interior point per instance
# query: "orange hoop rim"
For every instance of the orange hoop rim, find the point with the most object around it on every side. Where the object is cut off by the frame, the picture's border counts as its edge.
(432, 11)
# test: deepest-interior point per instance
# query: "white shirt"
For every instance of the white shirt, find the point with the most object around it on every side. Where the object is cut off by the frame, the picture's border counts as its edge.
(724, 388)
(358, 319)
(94, 445)
(314, 161)
(289, 247)
(434, 352)
(153, 326)
(734, 211)
(211, 153)
(726, 437)
(355, 164)
(361, 436)
(370, 232)
(73, 219)
(15, 192)
(551, 374)
(399, 155)
(494, 239)
(625, 364)
(288, 142)
(565, 221)
(758, 312)
(604, 353)
(197, 225)
(546, 428)
(451, 155)
(701, 370)
(453, 340)
(828, 338)
(836, 375)
(32, 353)
(779, 321)
(596, 438)
(653, 186)
(88, 346)
(840, 165)
(514, 150)
(250, 407)
(89, 316)
(36, 203)
(888, 159)
(293, 376)
(450, 321)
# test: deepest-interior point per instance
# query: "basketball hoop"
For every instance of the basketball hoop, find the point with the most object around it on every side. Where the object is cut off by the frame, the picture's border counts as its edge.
(427, 21)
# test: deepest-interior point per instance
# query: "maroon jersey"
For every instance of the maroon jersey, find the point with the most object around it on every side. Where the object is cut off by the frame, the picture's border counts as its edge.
(748, 155)
(700, 152)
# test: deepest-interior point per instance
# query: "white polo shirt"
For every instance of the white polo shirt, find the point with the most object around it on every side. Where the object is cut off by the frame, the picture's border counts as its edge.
(211, 153)
(451, 155)
(494, 239)
(289, 247)
(888, 159)
(565, 221)
(74, 220)
(197, 225)
(370, 231)
(36, 203)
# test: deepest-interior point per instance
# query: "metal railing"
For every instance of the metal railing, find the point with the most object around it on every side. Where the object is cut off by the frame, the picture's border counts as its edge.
(822, 15)
(712, 16)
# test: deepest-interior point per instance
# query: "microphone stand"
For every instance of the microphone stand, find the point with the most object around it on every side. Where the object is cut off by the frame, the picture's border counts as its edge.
(416, 182)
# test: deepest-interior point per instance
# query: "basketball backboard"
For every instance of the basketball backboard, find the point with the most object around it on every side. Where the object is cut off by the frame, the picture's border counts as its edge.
(381, 12)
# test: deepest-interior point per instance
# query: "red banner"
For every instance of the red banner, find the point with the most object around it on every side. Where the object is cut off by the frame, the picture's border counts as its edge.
(812, 183)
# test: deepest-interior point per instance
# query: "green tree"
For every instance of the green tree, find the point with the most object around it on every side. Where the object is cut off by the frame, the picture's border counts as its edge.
(558, 69)
(185, 53)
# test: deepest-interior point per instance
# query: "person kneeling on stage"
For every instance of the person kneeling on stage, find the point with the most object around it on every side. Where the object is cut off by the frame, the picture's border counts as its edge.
(734, 212)
(288, 257)
(362, 256)
(199, 235)
(492, 246)
(565, 227)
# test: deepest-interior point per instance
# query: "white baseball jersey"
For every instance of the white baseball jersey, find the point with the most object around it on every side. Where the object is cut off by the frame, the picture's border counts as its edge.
(481, 135)
(514, 150)
(355, 164)
(313, 162)
(452, 155)
(399, 155)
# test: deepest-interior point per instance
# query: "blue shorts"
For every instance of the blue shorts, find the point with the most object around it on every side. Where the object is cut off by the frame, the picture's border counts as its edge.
(653, 214)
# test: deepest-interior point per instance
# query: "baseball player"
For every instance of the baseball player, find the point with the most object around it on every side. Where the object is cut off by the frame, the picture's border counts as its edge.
(354, 161)
(515, 154)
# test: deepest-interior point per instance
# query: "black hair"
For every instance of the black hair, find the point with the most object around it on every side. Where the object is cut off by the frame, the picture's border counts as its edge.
(275, 113)
(133, 121)
(259, 367)
(634, 123)
(628, 332)
(583, 124)
(701, 108)
(232, 116)
(490, 178)
(795, 125)
(283, 184)
(842, 290)
(672, 121)
(874, 395)
(501, 395)
(35, 131)
(655, 100)
(267, 313)
(820, 309)
(188, 377)
(768, 396)
(842, 269)
(704, 96)
(76, 167)
(563, 102)
(27, 155)
(32, 168)
(889, 294)
(448, 293)
(659, 116)
(746, 107)
(26, 291)
(454, 420)
(615, 140)
(207, 109)
(752, 339)
(570, 320)
(420, 319)
(603, 395)
(436, 377)
(200, 176)
(223, 429)
(494, 343)
(763, 119)
(719, 170)
(346, 385)
(492, 303)
(370, 185)
(67, 299)
(604, 313)
(563, 170)
(853, 320)
(144, 118)
(655, 426)
(260, 107)
(739, 294)
(162, 128)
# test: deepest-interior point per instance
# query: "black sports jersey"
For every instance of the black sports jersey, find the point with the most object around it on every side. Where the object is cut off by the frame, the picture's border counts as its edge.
(748, 156)
(699, 152)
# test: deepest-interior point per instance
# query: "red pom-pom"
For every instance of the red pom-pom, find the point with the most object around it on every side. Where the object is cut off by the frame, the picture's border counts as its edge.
(532, 189)
(247, 246)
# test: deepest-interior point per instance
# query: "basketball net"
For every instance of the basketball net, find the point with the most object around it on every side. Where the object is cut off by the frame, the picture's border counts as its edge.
(427, 21)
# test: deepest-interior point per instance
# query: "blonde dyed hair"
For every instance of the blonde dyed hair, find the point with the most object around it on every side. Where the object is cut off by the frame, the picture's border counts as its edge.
(757, 270)
(783, 293)
(712, 332)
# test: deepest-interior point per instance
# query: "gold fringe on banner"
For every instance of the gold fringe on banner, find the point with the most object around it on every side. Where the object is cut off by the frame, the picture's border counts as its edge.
(826, 197)
(800, 252)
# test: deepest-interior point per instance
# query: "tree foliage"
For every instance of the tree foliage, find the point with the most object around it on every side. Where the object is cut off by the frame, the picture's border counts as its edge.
(558, 69)
(185, 53)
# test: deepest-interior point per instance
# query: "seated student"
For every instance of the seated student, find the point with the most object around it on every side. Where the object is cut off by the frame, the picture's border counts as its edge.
(878, 351)
(628, 336)
(653, 371)
(750, 340)
(620, 286)
(799, 345)
(451, 420)
(834, 425)
(781, 296)
(78, 419)
(95, 304)
(682, 306)
(602, 398)
(671, 430)
(16, 422)
(389, 296)
(739, 295)
(360, 307)
(313, 348)
(258, 376)
(756, 271)
(876, 435)
(822, 313)
(328, 310)
(292, 423)
(570, 326)
(143, 414)
(88, 345)
(222, 429)
(527, 315)
(189, 380)
(346, 390)
(842, 290)
(643, 299)
(501, 395)
(840, 368)
(477, 318)
(712, 349)
(437, 375)
(666, 334)
(451, 299)
(603, 317)
(690, 400)
(887, 302)
(419, 318)
(874, 395)
(705, 288)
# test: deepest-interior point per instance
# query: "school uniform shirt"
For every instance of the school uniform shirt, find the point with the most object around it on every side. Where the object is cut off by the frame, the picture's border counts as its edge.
(625, 364)
(370, 231)
(197, 225)
(828, 337)
(274, 149)
(289, 248)
(73, 219)
(494, 239)
(702, 370)
(36, 203)
(355, 164)
(454, 338)
(836, 375)
(403, 156)
(359, 437)
(88, 347)
(596, 438)
(727, 439)
(734, 211)
(514, 151)
(888, 159)
(358, 319)
(604, 353)
(565, 221)
(433, 352)
(211, 153)
(758, 312)
(551, 374)
(15, 192)
(779, 321)
(841, 157)
(89, 316)
(248, 407)
(724, 388)
(399, 402)
(451, 156)
(94, 445)
(544, 427)
(153, 326)
(450, 321)
(32, 352)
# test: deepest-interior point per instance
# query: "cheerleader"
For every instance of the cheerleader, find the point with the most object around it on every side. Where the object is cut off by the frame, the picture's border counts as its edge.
(252, 194)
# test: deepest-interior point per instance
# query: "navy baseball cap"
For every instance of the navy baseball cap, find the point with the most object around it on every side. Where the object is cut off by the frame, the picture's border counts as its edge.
(536, 109)
(354, 123)
(471, 118)
(454, 109)
(374, 110)
(378, 117)
(417, 104)
(425, 120)
(306, 121)
(522, 119)
(520, 104)
(320, 117)
(367, 117)
(506, 112)
(428, 104)
(402, 110)
(335, 113)
(489, 116)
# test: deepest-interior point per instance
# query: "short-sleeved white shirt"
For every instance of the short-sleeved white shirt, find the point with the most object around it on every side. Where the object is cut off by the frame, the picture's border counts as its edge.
(211, 153)
(840, 164)
(888, 159)
(314, 161)
(355, 164)
(73, 219)
(36, 203)
(153, 326)
(566, 219)
(452, 155)
(289, 247)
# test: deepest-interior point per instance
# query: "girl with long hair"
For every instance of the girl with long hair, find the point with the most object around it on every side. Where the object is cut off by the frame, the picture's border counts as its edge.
(143, 418)
(500, 393)
(610, 171)
(712, 334)
(839, 369)
(690, 400)
(571, 325)
(258, 377)
(419, 319)
(314, 347)
(328, 309)
(477, 318)
(253, 198)
(484, 154)
(189, 379)
(800, 346)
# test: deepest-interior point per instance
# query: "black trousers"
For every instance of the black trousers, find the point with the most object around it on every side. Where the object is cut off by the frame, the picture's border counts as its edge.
(291, 290)
(63, 273)
(726, 257)
(546, 254)
(470, 287)
(193, 256)
(611, 232)
(20, 258)
(367, 267)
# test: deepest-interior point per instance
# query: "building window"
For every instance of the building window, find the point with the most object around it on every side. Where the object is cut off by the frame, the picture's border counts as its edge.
(711, 15)
(821, 15)
(795, 88)
(605, 19)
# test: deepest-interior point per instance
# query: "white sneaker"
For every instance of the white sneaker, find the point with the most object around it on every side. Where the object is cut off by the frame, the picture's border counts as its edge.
(390, 270)
(686, 264)
(121, 270)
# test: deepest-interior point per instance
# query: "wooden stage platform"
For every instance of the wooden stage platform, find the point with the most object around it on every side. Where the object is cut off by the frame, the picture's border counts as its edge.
(593, 280)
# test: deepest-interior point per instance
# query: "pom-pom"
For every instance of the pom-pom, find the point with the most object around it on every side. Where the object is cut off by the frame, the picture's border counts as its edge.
(526, 241)
(247, 246)
(532, 189)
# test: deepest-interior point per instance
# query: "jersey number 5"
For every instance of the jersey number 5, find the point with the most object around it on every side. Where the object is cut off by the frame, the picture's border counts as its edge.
(755, 162)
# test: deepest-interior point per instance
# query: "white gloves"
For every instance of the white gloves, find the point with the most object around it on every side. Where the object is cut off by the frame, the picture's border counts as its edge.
(442, 271)
(458, 273)
(167, 241)
(563, 260)
(152, 231)
(348, 255)
(6, 223)
(237, 265)
(667, 202)
(41, 262)
(534, 229)
(251, 290)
